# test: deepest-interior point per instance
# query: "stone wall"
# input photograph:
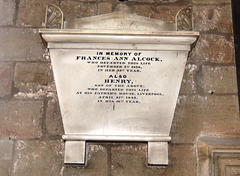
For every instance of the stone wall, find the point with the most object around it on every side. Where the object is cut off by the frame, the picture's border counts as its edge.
(30, 121)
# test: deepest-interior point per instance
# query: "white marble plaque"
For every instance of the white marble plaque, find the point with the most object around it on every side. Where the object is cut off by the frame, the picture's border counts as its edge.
(118, 92)
(118, 77)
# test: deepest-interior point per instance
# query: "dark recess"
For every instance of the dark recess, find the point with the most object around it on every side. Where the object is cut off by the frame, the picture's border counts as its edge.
(236, 29)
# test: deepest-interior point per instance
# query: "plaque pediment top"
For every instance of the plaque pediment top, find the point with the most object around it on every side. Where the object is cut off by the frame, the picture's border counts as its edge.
(119, 27)
(120, 21)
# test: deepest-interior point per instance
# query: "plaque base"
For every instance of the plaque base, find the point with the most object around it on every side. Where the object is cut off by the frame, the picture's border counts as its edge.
(75, 147)
(157, 153)
(75, 152)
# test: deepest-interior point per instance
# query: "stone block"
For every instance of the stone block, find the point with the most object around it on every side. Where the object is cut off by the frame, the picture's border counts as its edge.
(31, 77)
(165, 13)
(97, 163)
(213, 18)
(35, 157)
(182, 156)
(122, 7)
(219, 79)
(53, 118)
(7, 9)
(189, 83)
(6, 74)
(147, 1)
(20, 45)
(21, 118)
(157, 1)
(211, 1)
(130, 159)
(153, 1)
(213, 49)
(32, 13)
(205, 115)
(6, 150)
(104, 7)
(91, 1)
(76, 9)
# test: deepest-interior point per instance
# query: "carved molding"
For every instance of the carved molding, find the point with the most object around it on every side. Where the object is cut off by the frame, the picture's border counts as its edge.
(218, 156)
(53, 17)
(184, 21)
(225, 161)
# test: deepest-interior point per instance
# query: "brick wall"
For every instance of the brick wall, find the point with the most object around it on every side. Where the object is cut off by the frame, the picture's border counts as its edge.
(30, 121)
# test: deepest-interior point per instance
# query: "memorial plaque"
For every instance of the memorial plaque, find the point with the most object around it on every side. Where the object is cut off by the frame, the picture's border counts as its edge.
(118, 80)
(125, 92)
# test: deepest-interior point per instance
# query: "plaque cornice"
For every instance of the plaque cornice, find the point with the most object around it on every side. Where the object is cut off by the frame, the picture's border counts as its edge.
(74, 36)
(118, 32)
